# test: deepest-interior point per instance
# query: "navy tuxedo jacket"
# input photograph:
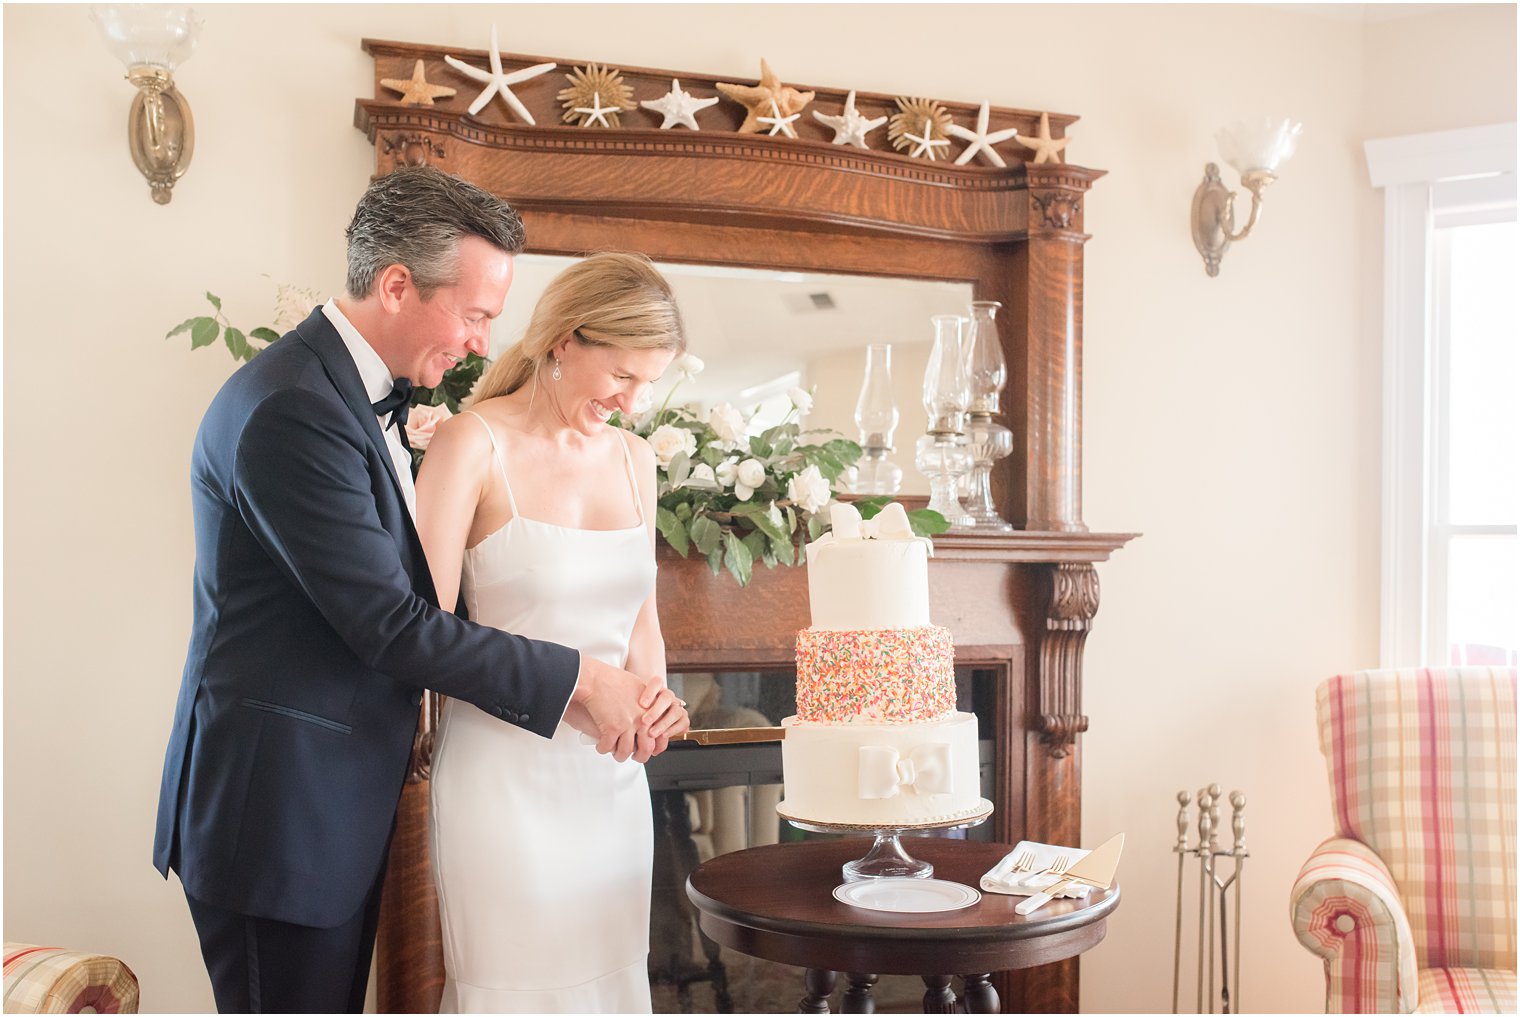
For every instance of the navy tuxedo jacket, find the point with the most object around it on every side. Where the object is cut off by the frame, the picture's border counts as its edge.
(316, 627)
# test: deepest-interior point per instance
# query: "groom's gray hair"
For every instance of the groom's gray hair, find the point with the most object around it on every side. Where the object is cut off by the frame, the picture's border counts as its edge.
(416, 217)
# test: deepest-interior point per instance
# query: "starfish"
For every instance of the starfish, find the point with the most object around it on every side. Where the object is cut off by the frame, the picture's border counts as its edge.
(1046, 148)
(596, 111)
(779, 123)
(417, 90)
(497, 82)
(927, 143)
(980, 140)
(758, 98)
(850, 128)
(678, 107)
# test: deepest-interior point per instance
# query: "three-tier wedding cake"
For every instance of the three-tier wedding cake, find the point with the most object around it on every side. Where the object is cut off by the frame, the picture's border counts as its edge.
(876, 741)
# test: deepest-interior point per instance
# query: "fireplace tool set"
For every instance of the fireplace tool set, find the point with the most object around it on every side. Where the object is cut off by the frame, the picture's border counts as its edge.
(1214, 892)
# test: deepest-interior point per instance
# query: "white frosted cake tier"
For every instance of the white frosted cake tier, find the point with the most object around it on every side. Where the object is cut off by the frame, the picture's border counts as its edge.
(882, 775)
(868, 584)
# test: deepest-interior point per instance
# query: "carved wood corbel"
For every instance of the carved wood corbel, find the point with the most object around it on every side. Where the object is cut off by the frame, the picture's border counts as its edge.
(1073, 603)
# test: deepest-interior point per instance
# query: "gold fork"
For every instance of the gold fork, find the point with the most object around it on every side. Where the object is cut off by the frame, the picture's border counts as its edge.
(1023, 861)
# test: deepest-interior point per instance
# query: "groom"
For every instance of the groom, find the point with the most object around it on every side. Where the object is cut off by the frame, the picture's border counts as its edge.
(316, 625)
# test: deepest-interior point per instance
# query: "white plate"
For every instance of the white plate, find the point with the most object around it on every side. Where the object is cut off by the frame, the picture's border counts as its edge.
(906, 895)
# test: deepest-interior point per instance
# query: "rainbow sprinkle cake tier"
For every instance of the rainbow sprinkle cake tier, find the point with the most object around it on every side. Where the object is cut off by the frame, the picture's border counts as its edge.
(875, 676)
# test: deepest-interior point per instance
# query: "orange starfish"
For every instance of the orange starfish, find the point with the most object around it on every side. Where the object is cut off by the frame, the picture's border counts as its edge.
(758, 98)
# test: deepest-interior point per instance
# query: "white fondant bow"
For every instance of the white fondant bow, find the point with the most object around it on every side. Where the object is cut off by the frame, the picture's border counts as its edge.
(891, 523)
(884, 771)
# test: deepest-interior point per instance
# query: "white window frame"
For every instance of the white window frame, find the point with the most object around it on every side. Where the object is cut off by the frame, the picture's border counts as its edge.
(1460, 173)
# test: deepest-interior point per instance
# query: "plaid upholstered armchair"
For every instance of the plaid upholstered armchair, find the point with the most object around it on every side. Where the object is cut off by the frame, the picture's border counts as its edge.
(1412, 903)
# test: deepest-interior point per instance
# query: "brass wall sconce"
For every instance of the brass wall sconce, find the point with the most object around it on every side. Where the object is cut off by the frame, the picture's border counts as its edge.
(152, 40)
(1256, 150)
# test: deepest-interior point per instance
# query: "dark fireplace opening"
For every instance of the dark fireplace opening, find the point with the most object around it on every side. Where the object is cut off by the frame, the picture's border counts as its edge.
(710, 800)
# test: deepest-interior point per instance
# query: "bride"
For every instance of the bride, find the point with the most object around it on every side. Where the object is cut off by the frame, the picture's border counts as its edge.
(541, 517)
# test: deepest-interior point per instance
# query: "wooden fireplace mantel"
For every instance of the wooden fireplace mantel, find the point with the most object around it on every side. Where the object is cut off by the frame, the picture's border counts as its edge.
(1019, 604)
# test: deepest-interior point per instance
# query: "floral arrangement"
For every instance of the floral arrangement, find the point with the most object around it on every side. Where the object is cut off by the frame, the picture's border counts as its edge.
(740, 498)
(734, 497)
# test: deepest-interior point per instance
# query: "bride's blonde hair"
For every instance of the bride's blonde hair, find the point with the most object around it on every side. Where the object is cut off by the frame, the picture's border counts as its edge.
(606, 299)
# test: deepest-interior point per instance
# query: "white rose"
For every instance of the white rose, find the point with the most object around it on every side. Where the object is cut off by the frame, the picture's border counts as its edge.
(727, 423)
(750, 474)
(808, 490)
(701, 477)
(645, 400)
(800, 399)
(728, 471)
(667, 440)
(689, 366)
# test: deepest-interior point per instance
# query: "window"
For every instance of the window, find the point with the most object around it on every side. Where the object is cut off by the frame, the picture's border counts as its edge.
(1451, 459)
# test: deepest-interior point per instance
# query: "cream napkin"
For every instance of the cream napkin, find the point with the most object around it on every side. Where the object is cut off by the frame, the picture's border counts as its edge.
(1002, 879)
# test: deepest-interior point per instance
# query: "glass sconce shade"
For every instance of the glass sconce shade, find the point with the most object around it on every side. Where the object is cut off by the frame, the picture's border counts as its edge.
(945, 394)
(944, 459)
(875, 410)
(986, 368)
(1258, 145)
(148, 34)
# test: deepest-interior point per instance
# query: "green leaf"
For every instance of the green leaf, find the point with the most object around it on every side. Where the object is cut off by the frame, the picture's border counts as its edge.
(756, 543)
(816, 524)
(761, 517)
(183, 326)
(237, 343)
(869, 507)
(705, 534)
(715, 559)
(760, 448)
(683, 511)
(216, 301)
(678, 470)
(673, 530)
(203, 332)
(268, 335)
(846, 451)
(738, 558)
(926, 522)
(784, 551)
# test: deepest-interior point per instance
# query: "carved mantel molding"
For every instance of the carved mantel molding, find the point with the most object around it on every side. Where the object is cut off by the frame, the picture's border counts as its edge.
(1073, 605)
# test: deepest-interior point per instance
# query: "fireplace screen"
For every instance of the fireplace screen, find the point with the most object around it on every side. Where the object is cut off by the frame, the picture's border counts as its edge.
(713, 799)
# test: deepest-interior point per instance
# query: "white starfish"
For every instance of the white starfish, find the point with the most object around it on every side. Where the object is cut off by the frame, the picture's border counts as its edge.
(927, 143)
(596, 111)
(497, 82)
(779, 122)
(678, 107)
(980, 140)
(850, 128)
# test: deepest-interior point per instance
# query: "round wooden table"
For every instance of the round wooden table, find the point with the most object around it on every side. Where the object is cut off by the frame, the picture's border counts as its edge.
(777, 903)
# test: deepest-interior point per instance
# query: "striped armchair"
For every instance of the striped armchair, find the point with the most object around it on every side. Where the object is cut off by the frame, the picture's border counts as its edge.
(1412, 903)
(48, 979)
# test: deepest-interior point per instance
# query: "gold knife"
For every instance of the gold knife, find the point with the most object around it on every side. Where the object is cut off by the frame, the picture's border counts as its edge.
(732, 735)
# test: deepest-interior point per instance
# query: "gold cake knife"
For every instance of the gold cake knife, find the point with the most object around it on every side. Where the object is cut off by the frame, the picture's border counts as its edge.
(732, 735)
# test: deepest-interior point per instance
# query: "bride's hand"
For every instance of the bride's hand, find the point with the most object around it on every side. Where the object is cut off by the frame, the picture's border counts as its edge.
(664, 719)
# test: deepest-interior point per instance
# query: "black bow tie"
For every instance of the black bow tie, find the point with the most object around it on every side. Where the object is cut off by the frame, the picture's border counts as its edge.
(398, 404)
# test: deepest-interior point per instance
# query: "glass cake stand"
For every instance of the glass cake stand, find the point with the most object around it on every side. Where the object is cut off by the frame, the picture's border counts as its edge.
(887, 856)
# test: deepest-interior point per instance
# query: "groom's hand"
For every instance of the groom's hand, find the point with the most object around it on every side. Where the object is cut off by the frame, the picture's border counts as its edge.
(613, 698)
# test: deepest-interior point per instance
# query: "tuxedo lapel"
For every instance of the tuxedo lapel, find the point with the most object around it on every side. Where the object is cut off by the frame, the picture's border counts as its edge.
(318, 333)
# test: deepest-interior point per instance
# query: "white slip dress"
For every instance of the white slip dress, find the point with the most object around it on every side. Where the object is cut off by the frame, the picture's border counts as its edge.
(543, 848)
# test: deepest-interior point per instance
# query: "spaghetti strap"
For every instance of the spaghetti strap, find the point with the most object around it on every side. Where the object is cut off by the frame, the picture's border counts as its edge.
(633, 480)
(496, 454)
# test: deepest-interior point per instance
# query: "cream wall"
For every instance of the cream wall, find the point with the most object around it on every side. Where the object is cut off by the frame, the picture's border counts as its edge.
(1233, 421)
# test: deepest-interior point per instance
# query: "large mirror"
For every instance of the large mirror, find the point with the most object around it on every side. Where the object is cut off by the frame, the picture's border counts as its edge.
(762, 333)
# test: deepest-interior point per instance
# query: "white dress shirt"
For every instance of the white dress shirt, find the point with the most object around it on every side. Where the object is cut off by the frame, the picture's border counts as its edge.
(377, 385)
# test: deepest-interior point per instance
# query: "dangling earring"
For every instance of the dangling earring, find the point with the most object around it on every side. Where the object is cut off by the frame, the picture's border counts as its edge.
(556, 374)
